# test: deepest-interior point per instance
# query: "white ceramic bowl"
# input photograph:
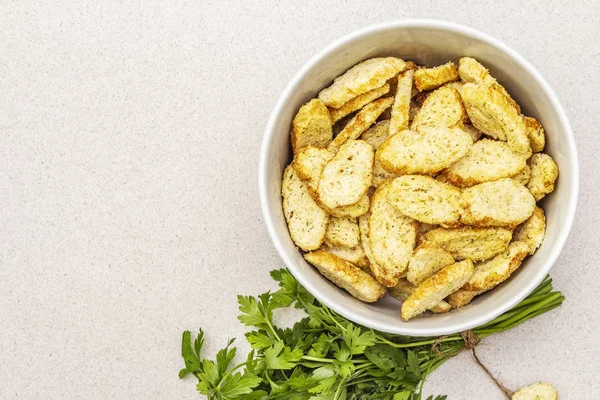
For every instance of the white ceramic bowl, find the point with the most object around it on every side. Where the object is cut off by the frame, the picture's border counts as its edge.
(426, 42)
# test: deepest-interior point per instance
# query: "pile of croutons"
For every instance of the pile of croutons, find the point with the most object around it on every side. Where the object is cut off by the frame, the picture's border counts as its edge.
(415, 180)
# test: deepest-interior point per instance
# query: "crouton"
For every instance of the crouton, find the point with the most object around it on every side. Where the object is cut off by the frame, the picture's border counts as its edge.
(462, 297)
(380, 175)
(392, 238)
(353, 210)
(491, 273)
(431, 78)
(349, 277)
(358, 102)
(309, 162)
(532, 231)
(523, 176)
(347, 176)
(355, 255)
(471, 130)
(490, 112)
(307, 222)
(488, 160)
(360, 79)
(426, 200)
(401, 106)
(342, 232)
(404, 289)
(427, 259)
(476, 244)
(537, 391)
(363, 224)
(377, 134)
(360, 122)
(504, 202)
(436, 288)
(425, 152)
(442, 108)
(544, 173)
(311, 126)
(536, 134)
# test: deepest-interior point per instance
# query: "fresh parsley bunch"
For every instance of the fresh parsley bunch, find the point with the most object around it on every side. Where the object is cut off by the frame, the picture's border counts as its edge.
(326, 357)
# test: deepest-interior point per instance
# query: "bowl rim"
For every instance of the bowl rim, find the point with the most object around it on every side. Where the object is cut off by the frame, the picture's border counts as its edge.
(406, 329)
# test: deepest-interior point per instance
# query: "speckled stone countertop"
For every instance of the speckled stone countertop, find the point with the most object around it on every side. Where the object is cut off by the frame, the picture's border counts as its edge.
(129, 139)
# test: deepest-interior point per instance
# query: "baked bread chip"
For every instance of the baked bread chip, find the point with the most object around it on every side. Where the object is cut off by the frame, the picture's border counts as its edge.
(431, 78)
(349, 277)
(471, 71)
(307, 222)
(504, 202)
(360, 122)
(456, 85)
(342, 232)
(436, 288)
(476, 244)
(544, 173)
(347, 176)
(400, 108)
(404, 289)
(537, 391)
(490, 112)
(426, 200)
(536, 134)
(363, 224)
(427, 259)
(358, 102)
(425, 152)
(523, 176)
(355, 255)
(488, 160)
(360, 79)
(532, 231)
(491, 273)
(462, 297)
(392, 238)
(377, 134)
(471, 130)
(353, 210)
(442, 108)
(309, 162)
(311, 126)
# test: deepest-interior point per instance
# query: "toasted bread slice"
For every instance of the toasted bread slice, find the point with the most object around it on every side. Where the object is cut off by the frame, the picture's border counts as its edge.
(349, 277)
(532, 231)
(401, 106)
(353, 210)
(358, 102)
(462, 297)
(523, 176)
(537, 391)
(360, 122)
(491, 273)
(536, 133)
(355, 255)
(490, 112)
(436, 288)
(488, 160)
(342, 232)
(404, 289)
(431, 78)
(426, 200)
(471, 130)
(456, 85)
(377, 134)
(471, 71)
(360, 79)
(363, 224)
(425, 152)
(347, 176)
(504, 202)
(392, 238)
(307, 222)
(476, 244)
(311, 126)
(442, 108)
(544, 173)
(427, 259)
(309, 162)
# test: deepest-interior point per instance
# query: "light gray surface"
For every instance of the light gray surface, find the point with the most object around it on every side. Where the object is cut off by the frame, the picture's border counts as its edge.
(129, 140)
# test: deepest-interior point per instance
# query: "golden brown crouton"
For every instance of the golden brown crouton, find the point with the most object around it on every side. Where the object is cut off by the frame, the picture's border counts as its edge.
(311, 126)
(532, 231)
(544, 173)
(431, 78)
(537, 136)
(342, 232)
(474, 243)
(349, 277)
(401, 106)
(434, 289)
(360, 79)
(462, 297)
(537, 391)
(355, 255)
(358, 102)
(353, 210)
(404, 289)
(377, 134)
(427, 259)
(523, 176)
(471, 130)
(442, 108)
(309, 162)
(307, 222)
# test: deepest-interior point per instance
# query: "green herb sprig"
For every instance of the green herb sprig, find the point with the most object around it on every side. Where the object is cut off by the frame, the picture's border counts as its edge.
(326, 357)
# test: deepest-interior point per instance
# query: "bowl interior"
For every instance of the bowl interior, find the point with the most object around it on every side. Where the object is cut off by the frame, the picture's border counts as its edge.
(433, 43)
